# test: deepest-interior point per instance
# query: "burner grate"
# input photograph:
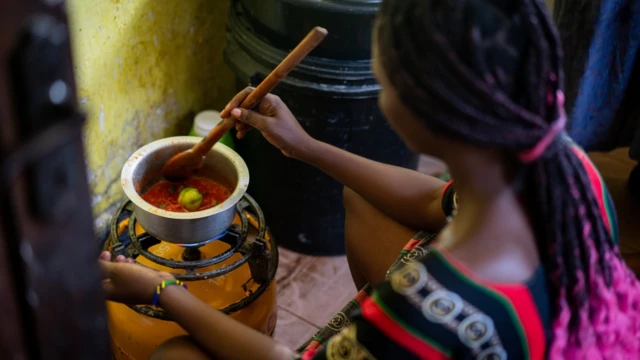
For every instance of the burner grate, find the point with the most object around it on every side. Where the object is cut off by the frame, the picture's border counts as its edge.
(261, 255)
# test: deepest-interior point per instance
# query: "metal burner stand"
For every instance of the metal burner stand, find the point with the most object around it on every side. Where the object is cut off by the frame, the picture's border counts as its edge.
(262, 259)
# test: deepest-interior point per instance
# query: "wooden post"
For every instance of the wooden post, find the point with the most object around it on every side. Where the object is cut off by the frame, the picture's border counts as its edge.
(50, 296)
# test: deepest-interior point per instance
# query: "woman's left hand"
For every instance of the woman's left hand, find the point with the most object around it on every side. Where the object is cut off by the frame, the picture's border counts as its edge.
(221, 336)
(125, 282)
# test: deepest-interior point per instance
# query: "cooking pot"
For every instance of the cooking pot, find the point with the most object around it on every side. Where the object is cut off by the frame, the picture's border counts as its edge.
(222, 165)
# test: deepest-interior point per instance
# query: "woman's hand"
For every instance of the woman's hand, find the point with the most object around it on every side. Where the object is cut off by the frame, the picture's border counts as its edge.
(125, 282)
(221, 336)
(274, 120)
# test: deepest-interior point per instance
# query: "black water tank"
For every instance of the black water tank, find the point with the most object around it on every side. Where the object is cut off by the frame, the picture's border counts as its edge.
(333, 96)
(285, 22)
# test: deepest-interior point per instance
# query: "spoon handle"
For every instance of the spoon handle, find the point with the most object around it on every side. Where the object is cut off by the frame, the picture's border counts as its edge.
(310, 42)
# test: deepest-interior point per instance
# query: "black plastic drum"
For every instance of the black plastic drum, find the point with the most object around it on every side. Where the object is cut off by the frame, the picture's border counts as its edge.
(284, 22)
(336, 102)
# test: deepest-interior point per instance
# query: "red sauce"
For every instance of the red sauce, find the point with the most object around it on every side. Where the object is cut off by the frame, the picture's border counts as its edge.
(164, 195)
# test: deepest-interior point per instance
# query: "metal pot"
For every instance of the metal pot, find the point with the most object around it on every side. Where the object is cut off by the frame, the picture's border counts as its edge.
(222, 164)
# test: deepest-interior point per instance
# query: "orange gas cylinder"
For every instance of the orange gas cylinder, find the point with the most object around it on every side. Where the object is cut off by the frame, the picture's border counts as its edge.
(234, 274)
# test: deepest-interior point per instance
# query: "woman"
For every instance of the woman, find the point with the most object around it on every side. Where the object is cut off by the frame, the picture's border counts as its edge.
(526, 267)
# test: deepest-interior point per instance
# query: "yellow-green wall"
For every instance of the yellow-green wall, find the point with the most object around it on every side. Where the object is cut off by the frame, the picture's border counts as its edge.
(143, 68)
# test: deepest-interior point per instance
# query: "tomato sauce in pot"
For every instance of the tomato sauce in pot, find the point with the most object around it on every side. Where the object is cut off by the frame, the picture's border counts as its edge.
(164, 194)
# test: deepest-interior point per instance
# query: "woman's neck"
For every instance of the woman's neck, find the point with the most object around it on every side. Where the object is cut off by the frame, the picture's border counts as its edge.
(491, 231)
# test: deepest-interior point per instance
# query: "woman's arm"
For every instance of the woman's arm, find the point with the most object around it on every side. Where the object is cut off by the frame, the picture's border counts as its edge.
(220, 335)
(409, 197)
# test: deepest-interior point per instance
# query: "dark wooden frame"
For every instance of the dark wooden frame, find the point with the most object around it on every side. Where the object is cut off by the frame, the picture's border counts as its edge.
(50, 296)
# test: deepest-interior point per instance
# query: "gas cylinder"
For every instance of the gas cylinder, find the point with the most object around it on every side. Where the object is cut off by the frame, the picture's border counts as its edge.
(234, 274)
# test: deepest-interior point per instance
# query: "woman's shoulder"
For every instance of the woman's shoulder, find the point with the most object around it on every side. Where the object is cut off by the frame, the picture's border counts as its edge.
(433, 309)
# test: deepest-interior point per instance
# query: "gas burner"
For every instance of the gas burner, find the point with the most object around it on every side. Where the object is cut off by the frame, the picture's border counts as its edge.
(197, 245)
(260, 254)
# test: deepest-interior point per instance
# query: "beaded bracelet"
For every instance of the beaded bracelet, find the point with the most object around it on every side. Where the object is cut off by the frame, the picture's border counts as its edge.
(161, 286)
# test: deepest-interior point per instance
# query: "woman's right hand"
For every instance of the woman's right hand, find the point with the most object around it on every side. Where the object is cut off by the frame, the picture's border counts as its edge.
(274, 120)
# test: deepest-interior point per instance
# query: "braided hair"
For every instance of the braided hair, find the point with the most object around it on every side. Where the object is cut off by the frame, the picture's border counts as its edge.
(488, 72)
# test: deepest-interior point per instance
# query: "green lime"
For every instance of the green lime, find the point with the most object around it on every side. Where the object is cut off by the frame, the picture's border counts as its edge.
(190, 198)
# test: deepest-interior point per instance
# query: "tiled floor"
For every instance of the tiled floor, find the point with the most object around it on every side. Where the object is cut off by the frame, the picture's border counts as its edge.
(312, 289)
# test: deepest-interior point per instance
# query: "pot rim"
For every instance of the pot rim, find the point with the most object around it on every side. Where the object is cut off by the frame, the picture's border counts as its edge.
(131, 164)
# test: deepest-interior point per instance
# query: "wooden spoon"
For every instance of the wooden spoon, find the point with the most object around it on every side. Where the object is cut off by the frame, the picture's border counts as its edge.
(186, 163)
